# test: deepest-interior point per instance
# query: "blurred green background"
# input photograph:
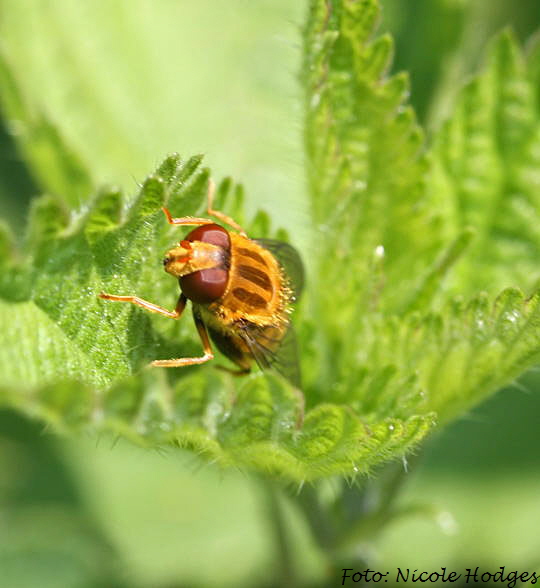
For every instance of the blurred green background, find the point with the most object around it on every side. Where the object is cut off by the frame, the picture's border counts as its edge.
(126, 82)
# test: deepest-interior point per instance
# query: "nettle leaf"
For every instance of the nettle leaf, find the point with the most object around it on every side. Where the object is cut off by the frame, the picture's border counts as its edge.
(486, 162)
(415, 244)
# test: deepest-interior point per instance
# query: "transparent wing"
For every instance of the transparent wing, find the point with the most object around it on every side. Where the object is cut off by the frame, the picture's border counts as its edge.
(289, 259)
(273, 348)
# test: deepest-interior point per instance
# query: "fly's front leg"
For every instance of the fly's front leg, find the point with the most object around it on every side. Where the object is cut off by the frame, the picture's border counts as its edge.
(186, 220)
(193, 220)
(183, 361)
(174, 314)
(222, 217)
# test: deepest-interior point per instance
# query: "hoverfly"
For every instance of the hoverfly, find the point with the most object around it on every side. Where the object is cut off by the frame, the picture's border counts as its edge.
(241, 291)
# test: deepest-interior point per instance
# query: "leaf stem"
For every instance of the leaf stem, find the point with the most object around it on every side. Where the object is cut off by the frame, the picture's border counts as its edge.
(286, 571)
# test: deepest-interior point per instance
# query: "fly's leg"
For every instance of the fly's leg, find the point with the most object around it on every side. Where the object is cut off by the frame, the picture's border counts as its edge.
(207, 356)
(186, 220)
(222, 217)
(234, 372)
(193, 220)
(174, 314)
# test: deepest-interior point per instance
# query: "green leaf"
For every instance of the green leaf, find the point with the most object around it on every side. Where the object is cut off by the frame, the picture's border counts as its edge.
(105, 213)
(397, 241)
(364, 146)
(486, 163)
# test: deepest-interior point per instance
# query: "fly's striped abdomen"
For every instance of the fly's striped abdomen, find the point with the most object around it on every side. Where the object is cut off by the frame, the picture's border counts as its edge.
(254, 280)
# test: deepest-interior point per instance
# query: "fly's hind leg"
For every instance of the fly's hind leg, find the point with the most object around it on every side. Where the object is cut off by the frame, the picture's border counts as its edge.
(175, 314)
(183, 361)
(193, 220)
(240, 371)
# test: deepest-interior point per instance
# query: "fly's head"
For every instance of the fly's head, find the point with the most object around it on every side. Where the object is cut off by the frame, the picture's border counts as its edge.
(201, 262)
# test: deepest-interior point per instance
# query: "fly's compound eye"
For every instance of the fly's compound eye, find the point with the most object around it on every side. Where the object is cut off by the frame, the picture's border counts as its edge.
(211, 233)
(205, 286)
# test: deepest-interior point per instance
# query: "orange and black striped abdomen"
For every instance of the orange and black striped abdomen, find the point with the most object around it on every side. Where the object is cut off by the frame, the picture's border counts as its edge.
(255, 281)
